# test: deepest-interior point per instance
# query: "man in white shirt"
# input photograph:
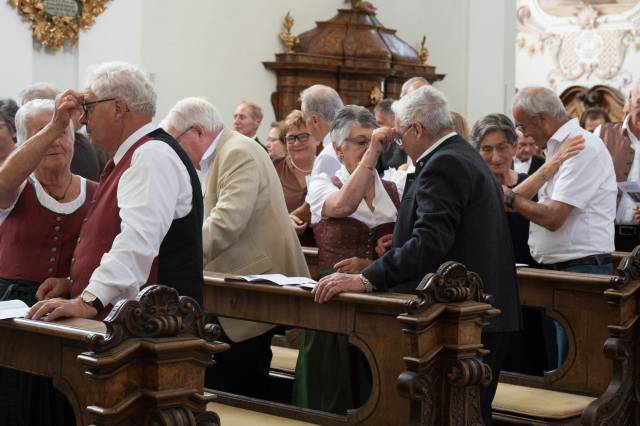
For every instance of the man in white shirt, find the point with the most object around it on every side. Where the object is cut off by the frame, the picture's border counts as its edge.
(319, 104)
(572, 222)
(145, 222)
(623, 142)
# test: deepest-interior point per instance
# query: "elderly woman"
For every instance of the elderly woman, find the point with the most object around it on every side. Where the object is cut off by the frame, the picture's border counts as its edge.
(349, 212)
(293, 170)
(495, 137)
(275, 141)
(42, 206)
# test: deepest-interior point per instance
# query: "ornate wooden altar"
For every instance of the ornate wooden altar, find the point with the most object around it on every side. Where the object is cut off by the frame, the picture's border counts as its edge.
(577, 99)
(353, 53)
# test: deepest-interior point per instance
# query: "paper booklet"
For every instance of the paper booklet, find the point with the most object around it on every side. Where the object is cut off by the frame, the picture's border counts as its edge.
(13, 309)
(277, 279)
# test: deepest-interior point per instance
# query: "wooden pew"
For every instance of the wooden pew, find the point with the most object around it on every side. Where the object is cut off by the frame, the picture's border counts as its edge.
(143, 365)
(424, 351)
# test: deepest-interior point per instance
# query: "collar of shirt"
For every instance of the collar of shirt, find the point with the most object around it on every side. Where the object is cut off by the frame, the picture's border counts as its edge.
(327, 139)
(207, 157)
(568, 128)
(435, 145)
(132, 139)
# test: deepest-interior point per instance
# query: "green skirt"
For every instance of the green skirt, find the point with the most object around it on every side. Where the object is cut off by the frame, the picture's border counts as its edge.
(27, 399)
(331, 375)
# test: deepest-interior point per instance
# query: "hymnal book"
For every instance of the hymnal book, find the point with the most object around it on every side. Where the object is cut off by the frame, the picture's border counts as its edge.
(13, 309)
(277, 279)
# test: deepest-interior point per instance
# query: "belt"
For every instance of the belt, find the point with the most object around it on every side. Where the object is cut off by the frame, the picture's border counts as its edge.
(595, 259)
(627, 230)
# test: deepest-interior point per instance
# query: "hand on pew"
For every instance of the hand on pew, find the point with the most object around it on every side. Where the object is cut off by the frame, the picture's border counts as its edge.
(52, 288)
(352, 265)
(337, 283)
(61, 308)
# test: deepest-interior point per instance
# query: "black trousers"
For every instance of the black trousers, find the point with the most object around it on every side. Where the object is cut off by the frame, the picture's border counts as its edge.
(498, 344)
(244, 368)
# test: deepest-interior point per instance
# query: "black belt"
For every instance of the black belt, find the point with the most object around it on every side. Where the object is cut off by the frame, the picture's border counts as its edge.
(627, 230)
(595, 259)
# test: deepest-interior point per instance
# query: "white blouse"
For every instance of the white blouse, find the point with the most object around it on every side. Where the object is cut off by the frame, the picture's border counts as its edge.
(384, 211)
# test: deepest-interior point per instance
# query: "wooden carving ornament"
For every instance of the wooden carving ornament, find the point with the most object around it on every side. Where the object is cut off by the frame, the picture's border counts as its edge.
(628, 269)
(158, 311)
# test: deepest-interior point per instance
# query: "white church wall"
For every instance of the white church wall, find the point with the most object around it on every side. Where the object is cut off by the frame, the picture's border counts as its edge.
(215, 48)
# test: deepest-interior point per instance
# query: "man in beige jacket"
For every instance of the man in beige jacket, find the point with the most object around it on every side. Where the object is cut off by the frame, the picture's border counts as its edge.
(246, 230)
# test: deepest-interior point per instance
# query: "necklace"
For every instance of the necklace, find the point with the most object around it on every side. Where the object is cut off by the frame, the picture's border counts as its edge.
(306, 172)
(60, 198)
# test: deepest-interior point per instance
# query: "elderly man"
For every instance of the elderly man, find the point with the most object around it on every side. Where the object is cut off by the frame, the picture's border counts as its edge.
(8, 109)
(413, 84)
(623, 142)
(319, 104)
(572, 222)
(246, 231)
(451, 210)
(145, 223)
(247, 117)
(525, 161)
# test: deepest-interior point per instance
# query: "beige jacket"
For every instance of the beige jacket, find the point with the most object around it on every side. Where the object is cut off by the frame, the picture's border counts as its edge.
(246, 227)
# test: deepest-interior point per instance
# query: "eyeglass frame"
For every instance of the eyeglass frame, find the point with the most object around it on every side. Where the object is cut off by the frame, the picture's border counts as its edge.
(187, 130)
(85, 105)
(296, 138)
(399, 137)
(367, 141)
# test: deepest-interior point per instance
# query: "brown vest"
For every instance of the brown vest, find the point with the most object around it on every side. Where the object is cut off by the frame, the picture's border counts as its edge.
(36, 243)
(619, 145)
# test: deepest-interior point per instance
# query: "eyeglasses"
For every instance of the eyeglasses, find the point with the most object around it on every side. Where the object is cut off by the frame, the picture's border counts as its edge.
(361, 141)
(188, 129)
(302, 138)
(501, 148)
(86, 105)
(399, 137)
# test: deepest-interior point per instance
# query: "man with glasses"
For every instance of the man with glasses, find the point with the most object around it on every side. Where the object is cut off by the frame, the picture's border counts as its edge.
(451, 210)
(246, 230)
(144, 225)
(525, 161)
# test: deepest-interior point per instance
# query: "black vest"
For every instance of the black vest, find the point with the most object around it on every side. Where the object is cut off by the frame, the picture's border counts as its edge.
(180, 258)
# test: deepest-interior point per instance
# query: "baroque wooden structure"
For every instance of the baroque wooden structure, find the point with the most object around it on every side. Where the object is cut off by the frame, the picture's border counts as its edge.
(423, 350)
(144, 365)
(577, 99)
(353, 53)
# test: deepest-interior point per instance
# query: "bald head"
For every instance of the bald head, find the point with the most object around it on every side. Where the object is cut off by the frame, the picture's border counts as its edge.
(413, 84)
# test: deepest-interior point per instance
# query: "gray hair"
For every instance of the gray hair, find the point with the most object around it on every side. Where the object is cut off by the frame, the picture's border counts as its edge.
(31, 110)
(346, 118)
(385, 107)
(321, 100)
(38, 91)
(255, 110)
(536, 100)
(493, 123)
(189, 111)
(122, 80)
(8, 109)
(427, 106)
(405, 87)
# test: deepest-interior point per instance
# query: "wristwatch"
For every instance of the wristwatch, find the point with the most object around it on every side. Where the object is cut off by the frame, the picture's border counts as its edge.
(509, 199)
(91, 299)
(368, 287)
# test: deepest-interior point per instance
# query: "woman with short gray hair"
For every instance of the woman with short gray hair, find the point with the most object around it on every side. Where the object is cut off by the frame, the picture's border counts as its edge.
(42, 206)
(349, 212)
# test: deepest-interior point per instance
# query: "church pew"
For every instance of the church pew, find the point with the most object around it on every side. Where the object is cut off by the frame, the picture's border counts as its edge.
(591, 309)
(424, 350)
(143, 365)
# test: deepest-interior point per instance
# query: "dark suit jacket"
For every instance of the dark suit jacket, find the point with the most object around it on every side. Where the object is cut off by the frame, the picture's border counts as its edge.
(452, 210)
(536, 162)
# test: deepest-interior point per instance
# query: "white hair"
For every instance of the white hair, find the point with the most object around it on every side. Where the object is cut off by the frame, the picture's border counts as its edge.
(122, 80)
(31, 110)
(346, 118)
(40, 90)
(427, 106)
(189, 111)
(405, 87)
(535, 100)
(321, 100)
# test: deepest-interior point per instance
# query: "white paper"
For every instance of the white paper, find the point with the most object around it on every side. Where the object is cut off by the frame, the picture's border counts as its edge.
(632, 189)
(13, 309)
(278, 279)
